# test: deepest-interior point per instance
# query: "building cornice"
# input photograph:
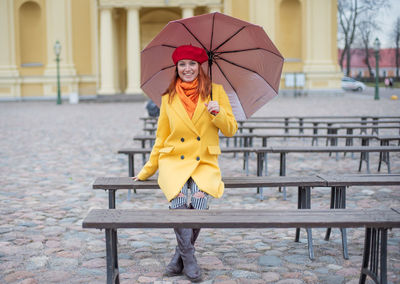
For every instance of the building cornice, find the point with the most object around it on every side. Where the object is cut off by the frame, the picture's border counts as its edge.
(157, 3)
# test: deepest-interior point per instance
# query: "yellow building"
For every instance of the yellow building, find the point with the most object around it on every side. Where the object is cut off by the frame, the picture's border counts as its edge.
(101, 41)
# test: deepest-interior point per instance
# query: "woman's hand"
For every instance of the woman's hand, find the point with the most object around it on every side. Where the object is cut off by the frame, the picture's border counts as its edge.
(135, 178)
(213, 107)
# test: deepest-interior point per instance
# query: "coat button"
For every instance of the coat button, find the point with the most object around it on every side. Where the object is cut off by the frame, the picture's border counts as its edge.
(182, 157)
(182, 139)
(198, 158)
(198, 138)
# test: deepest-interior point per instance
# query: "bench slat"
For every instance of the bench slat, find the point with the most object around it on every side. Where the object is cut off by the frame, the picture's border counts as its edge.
(230, 182)
(359, 180)
(286, 149)
(115, 183)
(343, 218)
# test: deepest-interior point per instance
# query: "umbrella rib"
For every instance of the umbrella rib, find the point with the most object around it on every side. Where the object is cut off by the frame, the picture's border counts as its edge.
(162, 45)
(162, 69)
(248, 69)
(190, 32)
(249, 49)
(212, 31)
(229, 38)
(226, 78)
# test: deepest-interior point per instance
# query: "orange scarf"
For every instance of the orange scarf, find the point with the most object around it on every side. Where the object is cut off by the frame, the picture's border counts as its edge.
(188, 94)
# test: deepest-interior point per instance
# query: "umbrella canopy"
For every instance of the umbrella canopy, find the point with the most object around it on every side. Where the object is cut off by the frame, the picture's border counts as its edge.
(241, 57)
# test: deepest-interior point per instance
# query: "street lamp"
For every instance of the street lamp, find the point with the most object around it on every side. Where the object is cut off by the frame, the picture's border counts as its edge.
(57, 51)
(377, 46)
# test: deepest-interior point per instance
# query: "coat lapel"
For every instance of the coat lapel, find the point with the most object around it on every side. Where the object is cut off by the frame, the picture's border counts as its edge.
(180, 110)
(200, 110)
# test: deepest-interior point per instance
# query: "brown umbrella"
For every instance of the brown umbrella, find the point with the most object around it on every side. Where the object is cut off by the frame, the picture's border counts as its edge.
(241, 57)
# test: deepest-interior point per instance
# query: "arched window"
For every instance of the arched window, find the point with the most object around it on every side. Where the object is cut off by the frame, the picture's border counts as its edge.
(290, 30)
(153, 20)
(31, 38)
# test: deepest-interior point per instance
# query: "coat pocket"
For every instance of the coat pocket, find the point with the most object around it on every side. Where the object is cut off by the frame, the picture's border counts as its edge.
(167, 149)
(214, 150)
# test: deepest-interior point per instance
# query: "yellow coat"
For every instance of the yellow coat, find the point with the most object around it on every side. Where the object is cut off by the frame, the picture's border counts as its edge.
(187, 147)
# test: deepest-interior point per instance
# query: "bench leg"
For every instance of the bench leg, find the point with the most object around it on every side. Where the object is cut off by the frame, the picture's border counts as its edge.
(338, 201)
(112, 257)
(111, 199)
(131, 171)
(374, 262)
(384, 158)
(282, 172)
(364, 156)
(260, 163)
(310, 244)
(304, 202)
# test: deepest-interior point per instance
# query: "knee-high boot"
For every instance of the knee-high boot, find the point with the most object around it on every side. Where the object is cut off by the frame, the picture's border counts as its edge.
(184, 238)
(175, 266)
(196, 232)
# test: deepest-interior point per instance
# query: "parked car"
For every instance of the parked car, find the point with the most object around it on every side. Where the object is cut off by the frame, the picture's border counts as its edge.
(349, 84)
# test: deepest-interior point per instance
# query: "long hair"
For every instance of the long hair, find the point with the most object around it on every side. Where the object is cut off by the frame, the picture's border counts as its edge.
(203, 88)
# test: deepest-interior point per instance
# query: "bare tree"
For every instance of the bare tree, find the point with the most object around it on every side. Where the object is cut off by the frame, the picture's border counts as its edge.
(349, 12)
(367, 26)
(396, 34)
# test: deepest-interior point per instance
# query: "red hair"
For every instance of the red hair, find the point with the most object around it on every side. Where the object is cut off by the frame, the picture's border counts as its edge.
(203, 88)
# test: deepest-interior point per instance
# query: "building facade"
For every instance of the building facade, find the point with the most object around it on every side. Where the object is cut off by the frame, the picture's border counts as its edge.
(359, 68)
(101, 41)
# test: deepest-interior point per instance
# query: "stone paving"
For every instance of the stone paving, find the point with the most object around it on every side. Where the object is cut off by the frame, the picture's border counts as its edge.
(50, 155)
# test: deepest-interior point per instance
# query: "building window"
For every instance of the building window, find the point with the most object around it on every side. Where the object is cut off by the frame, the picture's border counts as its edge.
(31, 35)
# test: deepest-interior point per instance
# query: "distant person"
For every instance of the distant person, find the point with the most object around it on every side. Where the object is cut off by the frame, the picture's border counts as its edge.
(152, 109)
(391, 82)
(387, 82)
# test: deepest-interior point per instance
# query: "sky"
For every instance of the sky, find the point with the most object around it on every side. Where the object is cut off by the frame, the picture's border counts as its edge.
(386, 20)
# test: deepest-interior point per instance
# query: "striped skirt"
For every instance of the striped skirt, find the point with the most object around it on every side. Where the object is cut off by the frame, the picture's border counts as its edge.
(188, 190)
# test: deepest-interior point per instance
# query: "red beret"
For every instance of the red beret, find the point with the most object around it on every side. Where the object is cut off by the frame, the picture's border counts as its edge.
(189, 52)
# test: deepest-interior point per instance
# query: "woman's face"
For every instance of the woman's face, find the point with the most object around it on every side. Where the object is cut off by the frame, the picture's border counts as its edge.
(188, 69)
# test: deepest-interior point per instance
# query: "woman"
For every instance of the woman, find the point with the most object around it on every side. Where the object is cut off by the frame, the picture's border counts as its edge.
(187, 147)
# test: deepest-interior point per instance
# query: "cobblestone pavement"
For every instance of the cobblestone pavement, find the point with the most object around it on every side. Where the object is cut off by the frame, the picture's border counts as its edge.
(50, 155)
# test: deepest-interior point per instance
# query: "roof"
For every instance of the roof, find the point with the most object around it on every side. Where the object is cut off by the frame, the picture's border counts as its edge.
(387, 58)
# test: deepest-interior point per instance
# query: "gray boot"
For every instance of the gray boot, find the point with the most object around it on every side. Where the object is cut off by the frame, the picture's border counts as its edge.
(186, 249)
(175, 266)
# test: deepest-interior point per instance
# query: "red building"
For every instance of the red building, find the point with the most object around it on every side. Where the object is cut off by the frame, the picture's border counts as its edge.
(387, 62)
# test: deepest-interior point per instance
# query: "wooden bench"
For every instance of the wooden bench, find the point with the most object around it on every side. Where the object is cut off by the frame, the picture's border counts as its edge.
(326, 117)
(331, 129)
(338, 185)
(376, 223)
(246, 139)
(283, 151)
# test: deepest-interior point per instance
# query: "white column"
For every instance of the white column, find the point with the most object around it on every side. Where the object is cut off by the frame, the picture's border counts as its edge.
(107, 66)
(9, 77)
(187, 11)
(133, 51)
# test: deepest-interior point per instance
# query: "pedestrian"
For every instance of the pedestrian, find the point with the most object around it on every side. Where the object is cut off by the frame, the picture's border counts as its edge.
(387, 82)
(152, 109)
(187, 148)
(391, 82)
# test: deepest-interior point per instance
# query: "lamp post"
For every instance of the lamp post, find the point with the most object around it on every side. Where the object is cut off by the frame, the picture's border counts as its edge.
(57, 51)
(377, 46)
